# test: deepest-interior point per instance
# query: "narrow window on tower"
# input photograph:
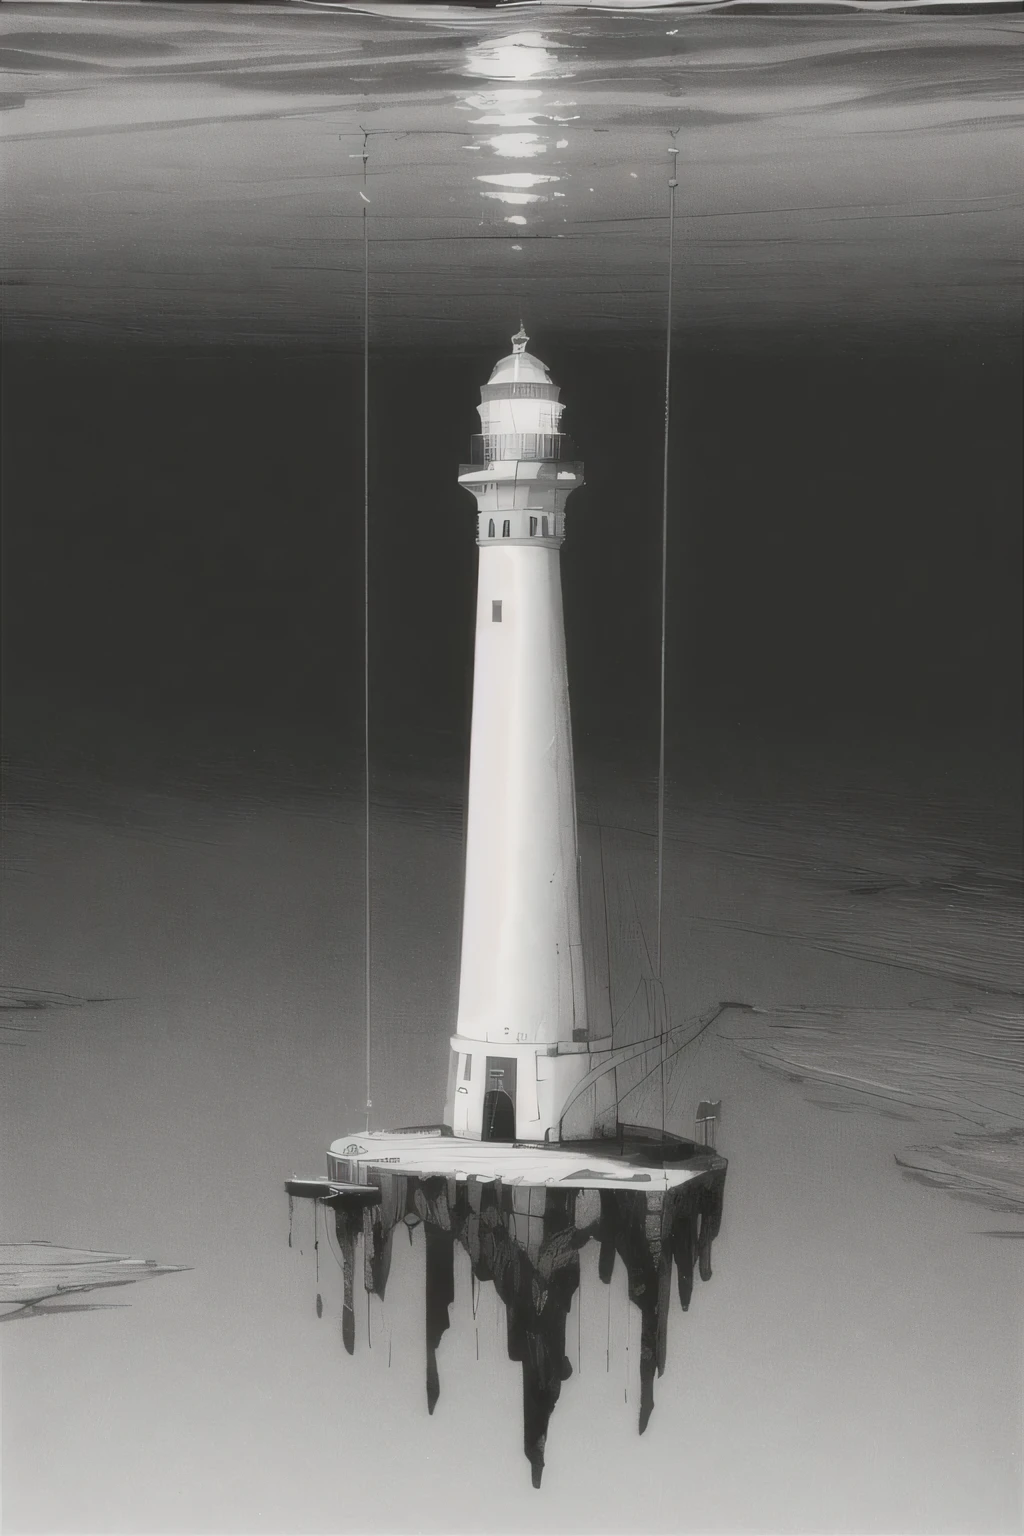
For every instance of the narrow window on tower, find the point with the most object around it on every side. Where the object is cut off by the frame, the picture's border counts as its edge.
(533, 526)
(467, 1070)
(496, 611)
(506, 528)
(544, 527)
(490, 529)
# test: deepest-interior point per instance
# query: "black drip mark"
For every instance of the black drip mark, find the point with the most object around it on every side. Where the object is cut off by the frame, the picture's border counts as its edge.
(527, 1243)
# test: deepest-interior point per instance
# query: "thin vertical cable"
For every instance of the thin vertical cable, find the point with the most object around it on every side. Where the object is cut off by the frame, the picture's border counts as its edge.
(664, 560)
(366, 624)
(607, 926)
(664, 609)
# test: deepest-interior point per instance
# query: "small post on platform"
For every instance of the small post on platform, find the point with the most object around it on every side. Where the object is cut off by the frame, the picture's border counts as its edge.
(708, 1115)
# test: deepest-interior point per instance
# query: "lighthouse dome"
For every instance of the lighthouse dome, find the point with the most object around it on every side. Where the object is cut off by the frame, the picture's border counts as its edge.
(520, 366)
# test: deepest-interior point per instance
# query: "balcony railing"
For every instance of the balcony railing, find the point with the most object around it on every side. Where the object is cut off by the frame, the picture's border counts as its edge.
(489, 447)
(510, 391)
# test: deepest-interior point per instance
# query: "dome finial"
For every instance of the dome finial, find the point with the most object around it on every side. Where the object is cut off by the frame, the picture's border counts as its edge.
(520, 339)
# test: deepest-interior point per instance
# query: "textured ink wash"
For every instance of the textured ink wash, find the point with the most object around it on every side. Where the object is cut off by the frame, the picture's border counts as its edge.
(526, 1240)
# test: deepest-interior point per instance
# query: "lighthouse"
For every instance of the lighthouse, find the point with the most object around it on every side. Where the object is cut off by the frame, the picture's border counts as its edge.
(522, 1045)
(531, 1160)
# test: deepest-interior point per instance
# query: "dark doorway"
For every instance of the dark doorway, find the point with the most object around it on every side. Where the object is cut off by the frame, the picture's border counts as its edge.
(500, 1099)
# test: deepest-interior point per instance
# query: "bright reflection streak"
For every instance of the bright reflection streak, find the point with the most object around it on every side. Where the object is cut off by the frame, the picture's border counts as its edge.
(517, 199)
(517, 146)
(507, 120)
(514, 218)
(487, 99)
(522, 56)
(517, 179)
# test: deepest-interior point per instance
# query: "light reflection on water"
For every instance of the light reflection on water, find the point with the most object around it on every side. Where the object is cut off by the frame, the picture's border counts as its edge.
(513, 199)
(517, 146)
(523, 56)
(825, 175)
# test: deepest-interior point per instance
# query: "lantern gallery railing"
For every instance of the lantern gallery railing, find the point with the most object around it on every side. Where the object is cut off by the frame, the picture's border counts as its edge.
(500, 447)
(516, 391)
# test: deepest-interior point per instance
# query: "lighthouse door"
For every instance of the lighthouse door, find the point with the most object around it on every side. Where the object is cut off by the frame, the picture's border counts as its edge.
(499, 1123)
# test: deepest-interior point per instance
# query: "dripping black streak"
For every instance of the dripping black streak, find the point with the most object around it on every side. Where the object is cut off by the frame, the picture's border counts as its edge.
(527, 1242)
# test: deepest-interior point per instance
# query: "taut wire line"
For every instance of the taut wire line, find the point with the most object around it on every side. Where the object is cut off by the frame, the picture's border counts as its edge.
(366, 621)
(673, 183)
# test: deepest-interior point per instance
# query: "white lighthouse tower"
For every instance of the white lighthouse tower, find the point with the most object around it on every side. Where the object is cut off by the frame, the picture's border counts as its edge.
(533, 1097)
(522, 1044)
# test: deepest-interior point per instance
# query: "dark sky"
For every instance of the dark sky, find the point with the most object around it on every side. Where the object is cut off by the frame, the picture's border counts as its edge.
(185, 535)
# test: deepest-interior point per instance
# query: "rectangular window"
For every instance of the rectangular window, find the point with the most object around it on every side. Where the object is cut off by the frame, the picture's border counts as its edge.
(506, 528)
(467, 1070)
(533, 526)
(496, 611)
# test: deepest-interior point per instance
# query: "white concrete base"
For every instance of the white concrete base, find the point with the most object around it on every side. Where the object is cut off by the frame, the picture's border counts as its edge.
(430, 1154)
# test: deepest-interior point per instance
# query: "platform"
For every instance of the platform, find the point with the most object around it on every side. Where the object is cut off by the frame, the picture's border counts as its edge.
(639, 1159)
